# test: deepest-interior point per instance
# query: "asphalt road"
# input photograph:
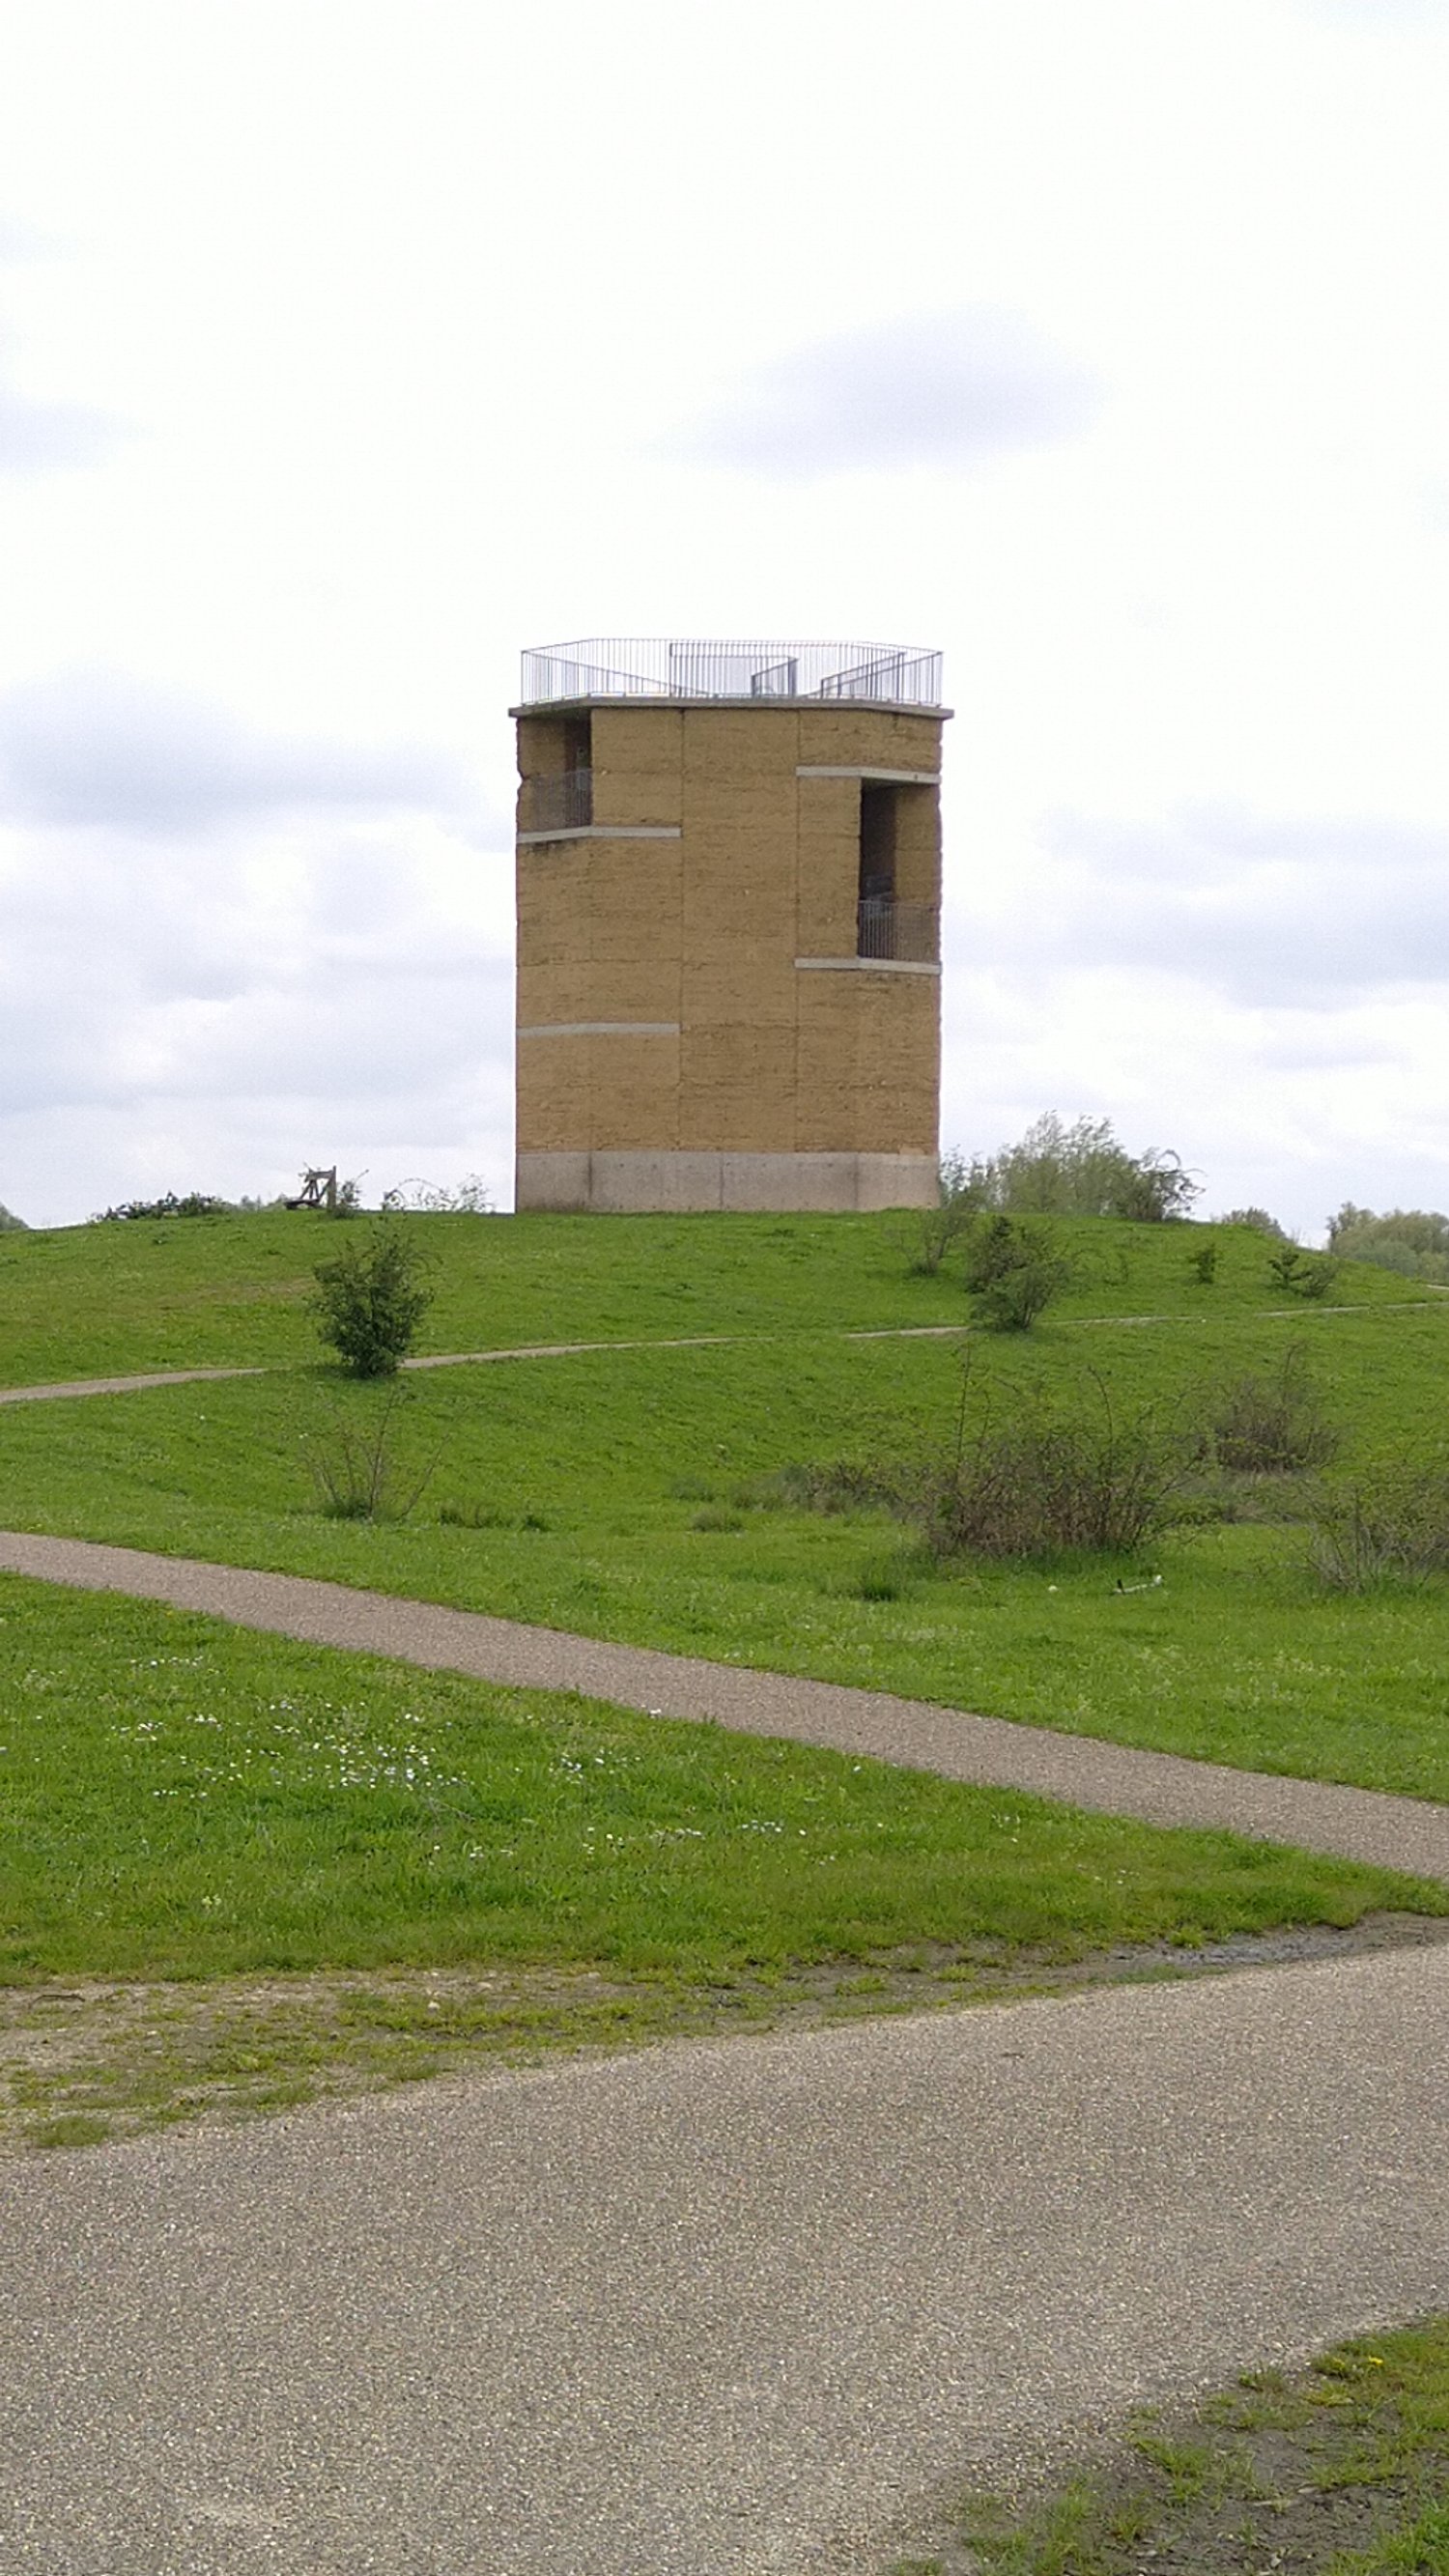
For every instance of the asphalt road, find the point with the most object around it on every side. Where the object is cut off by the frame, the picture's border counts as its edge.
(719, 2309)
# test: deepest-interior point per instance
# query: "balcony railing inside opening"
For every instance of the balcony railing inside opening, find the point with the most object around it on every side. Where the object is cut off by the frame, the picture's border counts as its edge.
(563, 802)
(899, 933)
(602, 666)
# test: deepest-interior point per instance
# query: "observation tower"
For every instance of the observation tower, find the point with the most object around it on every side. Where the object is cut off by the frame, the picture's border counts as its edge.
(729, 905)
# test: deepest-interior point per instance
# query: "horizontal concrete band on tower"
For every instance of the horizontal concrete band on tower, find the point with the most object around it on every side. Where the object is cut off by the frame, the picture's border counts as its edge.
(687, 866)
(631, 1184)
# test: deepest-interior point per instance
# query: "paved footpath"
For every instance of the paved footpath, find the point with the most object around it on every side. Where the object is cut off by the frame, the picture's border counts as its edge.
(1361, 1824)
(731, 2308)
(723, 2308)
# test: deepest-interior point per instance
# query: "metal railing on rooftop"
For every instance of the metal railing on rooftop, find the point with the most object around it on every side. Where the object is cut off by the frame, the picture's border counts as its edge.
(903, 933)
(691, 667)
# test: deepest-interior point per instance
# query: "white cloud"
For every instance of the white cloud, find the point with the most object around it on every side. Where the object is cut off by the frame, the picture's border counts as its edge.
(1269, 911)
(98, 748)
(943, 390)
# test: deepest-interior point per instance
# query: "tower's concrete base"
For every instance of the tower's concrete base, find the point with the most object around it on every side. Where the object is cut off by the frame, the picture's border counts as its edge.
(635, 1183)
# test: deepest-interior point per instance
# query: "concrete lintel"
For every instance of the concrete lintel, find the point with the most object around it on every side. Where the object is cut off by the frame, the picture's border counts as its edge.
(605, 832)
(881, 777)
(865, 965)
(602, 1029)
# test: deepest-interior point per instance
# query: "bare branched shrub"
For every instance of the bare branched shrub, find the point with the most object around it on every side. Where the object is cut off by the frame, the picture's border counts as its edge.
(961, 1194)
(355, 1468)
(1271, 1422)
(1389, 1527)
(1049, 1480)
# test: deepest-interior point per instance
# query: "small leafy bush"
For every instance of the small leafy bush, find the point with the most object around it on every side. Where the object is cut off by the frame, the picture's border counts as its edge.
(1202, 1264)
(371, 1299)
(717, 1516)
(12, 1224)
(1013, 1271)
(1300, 1273)
(1392, 1526)
(1270, 1422)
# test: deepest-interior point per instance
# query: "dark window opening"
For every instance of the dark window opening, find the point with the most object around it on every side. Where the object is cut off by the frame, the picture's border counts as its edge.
(877, 843)
(559, 797)
(897, 912)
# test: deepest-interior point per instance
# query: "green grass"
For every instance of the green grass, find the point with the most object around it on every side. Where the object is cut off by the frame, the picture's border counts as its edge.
(184, 1802)
(212, 1292)
(623, 1494)
(1341, 2469)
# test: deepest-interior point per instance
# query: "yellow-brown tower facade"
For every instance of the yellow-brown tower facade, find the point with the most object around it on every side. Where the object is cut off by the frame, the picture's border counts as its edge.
(729, 897)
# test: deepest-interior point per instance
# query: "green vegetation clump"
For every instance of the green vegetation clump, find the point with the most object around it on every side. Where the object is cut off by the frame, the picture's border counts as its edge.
(1272, 1422)
(371, 1299)
(1301, 1274)
(1014, 1269)
(1412, 1242)
(194, 1203)
(1389, 1527)
(1341, 2469)
(12, 1224)
(1082, 1169)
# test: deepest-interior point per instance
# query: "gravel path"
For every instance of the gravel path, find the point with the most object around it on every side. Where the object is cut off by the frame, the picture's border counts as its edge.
(720, 2309)
(1360, 1824)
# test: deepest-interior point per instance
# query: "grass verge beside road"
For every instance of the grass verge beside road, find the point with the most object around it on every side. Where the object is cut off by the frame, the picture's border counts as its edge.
(1341, 2469)
(446, 1866)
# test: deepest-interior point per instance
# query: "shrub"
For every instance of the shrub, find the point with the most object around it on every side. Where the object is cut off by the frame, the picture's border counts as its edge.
(370, 1301)
(195, 1203)
(1051, 1481)
(12, 1224)
(355, 1469)
(1391, 1526)
(467, 1197)
(1300, 1273)
(1013, 1271)
(1258, 1218)
(1203, 1264)
(961, 1193)
(1082, 1170)
(1271, 1422)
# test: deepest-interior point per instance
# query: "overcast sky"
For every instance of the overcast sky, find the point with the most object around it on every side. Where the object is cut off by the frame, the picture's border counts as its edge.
(346, 348)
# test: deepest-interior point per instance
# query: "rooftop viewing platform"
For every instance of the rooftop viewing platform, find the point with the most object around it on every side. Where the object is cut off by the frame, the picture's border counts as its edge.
(693, 670)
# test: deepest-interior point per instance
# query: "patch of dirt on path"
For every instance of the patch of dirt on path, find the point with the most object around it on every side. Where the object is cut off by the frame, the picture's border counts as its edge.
(85, 2061)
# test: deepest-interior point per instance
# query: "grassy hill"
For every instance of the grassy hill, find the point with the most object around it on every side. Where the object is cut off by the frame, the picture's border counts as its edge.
(96, 1300)
(637, 1493)
(275, 1868)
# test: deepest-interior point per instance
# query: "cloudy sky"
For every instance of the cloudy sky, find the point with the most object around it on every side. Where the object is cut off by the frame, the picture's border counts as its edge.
(347, 346)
